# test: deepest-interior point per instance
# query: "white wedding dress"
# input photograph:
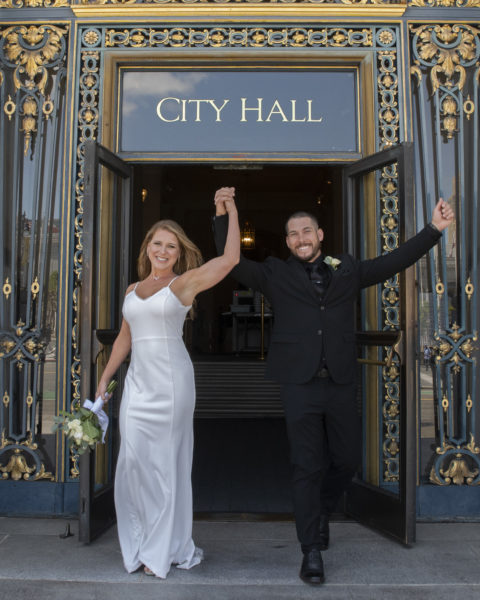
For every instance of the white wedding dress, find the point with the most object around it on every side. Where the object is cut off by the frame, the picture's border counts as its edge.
(153, 491)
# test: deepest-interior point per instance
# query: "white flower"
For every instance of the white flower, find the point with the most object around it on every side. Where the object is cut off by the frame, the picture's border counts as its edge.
(75, 424)
(332, 262)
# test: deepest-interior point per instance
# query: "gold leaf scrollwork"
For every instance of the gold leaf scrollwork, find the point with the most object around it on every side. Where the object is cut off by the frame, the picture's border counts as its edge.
(8, 346)
(455, 335)
(449, 109)
(393, 448)
(29, 443)
(9, 108)
(474, 449)
(4, 442)
(7, 288)
(447, 50)
(445, 402)
(17, 468)
(469, 403)
(32, 49)
(443, 348)
(6, 399)
(33, 3)
(20, 326)
(19, 356)
(469, 105)
(392, 297)
(445, 3)
(469, 288)
(468, 348)
(458, 471)
(35, 288)
(48, 107)
(440, 288)
(457, 360)
(42, 474)
(30, 112)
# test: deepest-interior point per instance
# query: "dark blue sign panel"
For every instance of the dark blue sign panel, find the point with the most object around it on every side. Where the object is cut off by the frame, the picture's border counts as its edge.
(239, 112)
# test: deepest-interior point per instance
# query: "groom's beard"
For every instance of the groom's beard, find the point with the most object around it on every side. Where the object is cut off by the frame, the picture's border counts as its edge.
(313, 254)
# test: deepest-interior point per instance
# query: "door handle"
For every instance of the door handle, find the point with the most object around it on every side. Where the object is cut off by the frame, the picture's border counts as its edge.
(395, 348)
(100, 339)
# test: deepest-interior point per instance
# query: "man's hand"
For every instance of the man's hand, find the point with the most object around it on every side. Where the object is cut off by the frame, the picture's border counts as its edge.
(442, 215)
(224, 200)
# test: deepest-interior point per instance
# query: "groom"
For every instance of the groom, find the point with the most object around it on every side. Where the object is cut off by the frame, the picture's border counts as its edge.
(312, 353)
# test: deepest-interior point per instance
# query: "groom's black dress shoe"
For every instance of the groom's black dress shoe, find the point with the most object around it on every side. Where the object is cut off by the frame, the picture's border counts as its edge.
(324, 532)
(312, 567)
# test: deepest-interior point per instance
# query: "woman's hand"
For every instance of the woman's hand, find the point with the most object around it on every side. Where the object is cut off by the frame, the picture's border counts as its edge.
(224, 201)
(102, 391)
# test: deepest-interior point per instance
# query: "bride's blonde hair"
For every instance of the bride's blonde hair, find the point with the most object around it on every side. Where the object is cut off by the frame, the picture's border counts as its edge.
(190, 256)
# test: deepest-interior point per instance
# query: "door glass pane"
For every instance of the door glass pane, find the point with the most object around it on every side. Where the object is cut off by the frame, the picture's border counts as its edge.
(108, 307)
(379, 384)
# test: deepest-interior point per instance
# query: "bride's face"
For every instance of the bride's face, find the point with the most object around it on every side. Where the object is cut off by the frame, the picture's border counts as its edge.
(163, 251)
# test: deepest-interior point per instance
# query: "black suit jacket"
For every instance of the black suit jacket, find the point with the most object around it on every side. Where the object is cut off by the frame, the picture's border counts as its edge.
(305, 328)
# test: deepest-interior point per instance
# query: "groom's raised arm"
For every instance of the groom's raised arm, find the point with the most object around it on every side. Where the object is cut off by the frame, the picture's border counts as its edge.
(383, 267)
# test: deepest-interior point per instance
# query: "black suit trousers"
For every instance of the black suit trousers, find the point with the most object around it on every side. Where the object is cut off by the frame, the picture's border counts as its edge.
(324, 433)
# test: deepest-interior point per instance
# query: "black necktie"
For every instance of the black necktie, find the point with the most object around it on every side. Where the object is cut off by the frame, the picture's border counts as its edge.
(319, 276)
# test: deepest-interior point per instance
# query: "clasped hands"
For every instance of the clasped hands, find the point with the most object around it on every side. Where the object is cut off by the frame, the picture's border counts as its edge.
(225, 201)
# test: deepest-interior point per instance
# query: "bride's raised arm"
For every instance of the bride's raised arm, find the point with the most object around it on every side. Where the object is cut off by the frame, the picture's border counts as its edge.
(192, 282)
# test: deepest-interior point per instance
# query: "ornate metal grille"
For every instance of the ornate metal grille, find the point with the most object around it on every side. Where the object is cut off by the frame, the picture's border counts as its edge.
(445, 75)
(32, 78)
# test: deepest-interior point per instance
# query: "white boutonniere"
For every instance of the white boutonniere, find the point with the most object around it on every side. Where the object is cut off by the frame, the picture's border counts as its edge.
(332, 262)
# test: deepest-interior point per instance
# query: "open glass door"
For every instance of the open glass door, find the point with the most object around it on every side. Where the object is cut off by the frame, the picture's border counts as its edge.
(379, 215)
(106, 260)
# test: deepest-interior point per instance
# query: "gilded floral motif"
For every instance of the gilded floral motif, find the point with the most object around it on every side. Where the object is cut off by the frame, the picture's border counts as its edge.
(33, 3)
(446, 3)
(33, 51)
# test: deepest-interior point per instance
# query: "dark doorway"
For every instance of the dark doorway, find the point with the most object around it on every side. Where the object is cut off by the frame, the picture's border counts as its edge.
(241, 451)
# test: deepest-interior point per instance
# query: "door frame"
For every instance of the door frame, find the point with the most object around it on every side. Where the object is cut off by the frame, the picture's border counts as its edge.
(97, 511)
(365, 502)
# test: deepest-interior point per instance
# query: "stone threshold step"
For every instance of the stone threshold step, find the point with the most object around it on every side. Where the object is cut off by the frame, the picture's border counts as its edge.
(155, 589)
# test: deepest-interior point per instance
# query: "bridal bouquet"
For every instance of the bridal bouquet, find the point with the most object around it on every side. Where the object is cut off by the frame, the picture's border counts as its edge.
(85, 425)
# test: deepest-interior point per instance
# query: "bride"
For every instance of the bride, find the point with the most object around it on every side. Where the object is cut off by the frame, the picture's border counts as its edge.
(153, 492)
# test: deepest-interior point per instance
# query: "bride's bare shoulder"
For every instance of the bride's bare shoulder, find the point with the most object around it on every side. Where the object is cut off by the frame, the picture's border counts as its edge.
(131, 287)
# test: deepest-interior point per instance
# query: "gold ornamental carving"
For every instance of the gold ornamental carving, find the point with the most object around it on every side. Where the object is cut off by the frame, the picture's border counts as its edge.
(462, 350)
(7, 288)
(10, 107)
(35, 288)
(457, 470)
(446, 50)
(17, 468)
(445, 47)
(32, 50)
(445, 3)
(33, 3)
(469, 288)
(220, 2)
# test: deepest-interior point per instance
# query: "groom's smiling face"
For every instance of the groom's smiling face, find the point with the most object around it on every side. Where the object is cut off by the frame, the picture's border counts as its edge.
(304, 239)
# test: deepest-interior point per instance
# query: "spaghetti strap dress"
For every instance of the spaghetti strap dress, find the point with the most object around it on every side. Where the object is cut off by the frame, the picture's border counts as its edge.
(153, 491)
